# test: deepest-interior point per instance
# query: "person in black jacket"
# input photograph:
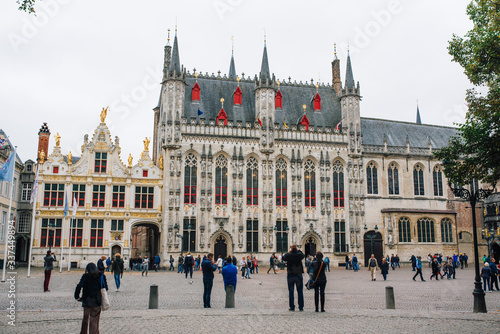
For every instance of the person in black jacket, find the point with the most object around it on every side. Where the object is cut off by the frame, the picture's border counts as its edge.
(384, 267)
(91, 283)
(295, 269)
(100, 264)
(435, 269)
(320, 277)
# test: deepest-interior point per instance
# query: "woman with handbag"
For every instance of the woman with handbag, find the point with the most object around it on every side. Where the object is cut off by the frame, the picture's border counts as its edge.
(92, 299)
(319, 284)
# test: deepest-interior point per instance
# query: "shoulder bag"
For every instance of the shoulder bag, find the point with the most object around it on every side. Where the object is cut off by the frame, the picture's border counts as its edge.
(310, 284)
(104, 295)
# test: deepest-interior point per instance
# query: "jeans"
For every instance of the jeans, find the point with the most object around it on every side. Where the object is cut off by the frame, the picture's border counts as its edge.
(486, 283)
(355, 266)
(47, 280)
(90, 321)
(328, 266)
(319, 291)
(385, 276)
(117, 280)
(256, 269)
(494, 281)
(295, 280)
(347, 266)
(180, 268)
(419, 272)
(145, 269)
(188, 270)
(247, 275)
(271, 266)
(207, 291)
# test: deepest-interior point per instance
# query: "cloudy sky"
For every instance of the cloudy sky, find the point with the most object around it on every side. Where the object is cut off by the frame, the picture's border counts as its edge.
(75, 57)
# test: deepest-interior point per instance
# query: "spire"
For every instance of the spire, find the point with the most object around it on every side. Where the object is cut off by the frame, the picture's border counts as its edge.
(349, 78)
(419, 120)
(337, 83)
(232, 68)
(175, 64)
(264, 69)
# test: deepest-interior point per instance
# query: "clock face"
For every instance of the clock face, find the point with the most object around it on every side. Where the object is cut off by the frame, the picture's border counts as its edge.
(117, 237)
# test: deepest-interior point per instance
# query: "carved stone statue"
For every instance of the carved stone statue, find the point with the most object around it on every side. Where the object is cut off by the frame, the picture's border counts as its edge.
(240, 237)
(169, 134)
(57, 137)
(240, 203)
(265, 238)
(170, 238)
(172, 167)
(86, 139)
(270, 238)
(178, 165)
(203, 166)
(177, 201)
(130, 160)
(146, 144)
(202, 201)
(104, 113)
(390, 238)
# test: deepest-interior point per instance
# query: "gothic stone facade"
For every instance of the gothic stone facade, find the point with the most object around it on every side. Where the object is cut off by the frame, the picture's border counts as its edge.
(242, 165)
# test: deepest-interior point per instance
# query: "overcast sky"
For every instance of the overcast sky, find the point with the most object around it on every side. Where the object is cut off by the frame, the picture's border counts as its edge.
(75, 57)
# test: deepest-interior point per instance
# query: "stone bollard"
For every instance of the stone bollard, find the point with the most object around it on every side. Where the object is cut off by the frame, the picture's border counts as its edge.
(389, 298)
(153, 296)
(230, 296)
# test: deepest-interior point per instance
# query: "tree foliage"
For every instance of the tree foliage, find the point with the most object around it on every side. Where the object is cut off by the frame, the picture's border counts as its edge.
(27, 6)
(474, 153)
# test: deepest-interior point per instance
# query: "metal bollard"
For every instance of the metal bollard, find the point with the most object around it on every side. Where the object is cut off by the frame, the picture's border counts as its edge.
(230, 296)
(389, 298)
(153, 296)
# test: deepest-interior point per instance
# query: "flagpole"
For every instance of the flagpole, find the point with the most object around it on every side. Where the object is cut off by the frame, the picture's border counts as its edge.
(33, 196)
(8, 216)
(70, 241)
(62, 229)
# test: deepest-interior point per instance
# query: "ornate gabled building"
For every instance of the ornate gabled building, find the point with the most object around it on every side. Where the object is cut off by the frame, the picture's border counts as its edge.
(253, 165)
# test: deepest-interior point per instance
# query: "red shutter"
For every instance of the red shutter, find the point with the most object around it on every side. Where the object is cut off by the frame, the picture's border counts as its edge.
(222, 117)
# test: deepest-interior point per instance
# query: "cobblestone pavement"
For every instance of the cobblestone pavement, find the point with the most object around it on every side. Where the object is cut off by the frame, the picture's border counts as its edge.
(354, 304)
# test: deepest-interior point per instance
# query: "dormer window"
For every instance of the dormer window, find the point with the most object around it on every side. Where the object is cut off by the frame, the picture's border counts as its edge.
(317, 102)
(222, 117)
(305, 121)
(195, 92)
(237, 96)
(55, 170)
(101, 161)
(278, 100)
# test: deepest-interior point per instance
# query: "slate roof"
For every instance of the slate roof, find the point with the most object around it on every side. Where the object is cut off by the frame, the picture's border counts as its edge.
(294, 96)
(373, 131)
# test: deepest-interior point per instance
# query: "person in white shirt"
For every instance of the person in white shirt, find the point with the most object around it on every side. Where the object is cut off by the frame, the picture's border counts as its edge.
(219, 263)
(145, 265)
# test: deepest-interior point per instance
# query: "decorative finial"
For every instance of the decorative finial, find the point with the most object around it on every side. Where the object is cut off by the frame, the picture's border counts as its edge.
(168, 36)
(238, 79)
(146, 144)
(347, 47)
(304, 107)
(317, 87)
(104, 113)
(335, 48)
(278, 82)
(176, 25)
(70, 158)
(222, 102)
(196, 75)
(130, 160)
(265, 37)
(232, 44)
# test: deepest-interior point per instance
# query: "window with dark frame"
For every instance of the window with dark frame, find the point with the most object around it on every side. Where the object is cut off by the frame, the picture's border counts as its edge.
(26, 192)
(77, 233)
(252, 181)
(372, 179)
(116, 224)
(338, 184)
(51, 232)
(100, 162)
(281, 183)
(446, 230)
(189, 235)
(252, 235)
(418, 180)
(96, 232)
(340, 237)
(425, 227)
(221, 180)
(404, 229)
(98, 195)
(310, 183)
(281, 236)
(53, 194)
(393, 178)
(437, 176)
(79, 194)
(144, 197)
(118, 197)
(190, 179)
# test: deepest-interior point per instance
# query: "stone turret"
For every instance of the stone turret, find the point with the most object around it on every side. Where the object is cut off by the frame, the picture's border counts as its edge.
(264, 105)
(43, 142)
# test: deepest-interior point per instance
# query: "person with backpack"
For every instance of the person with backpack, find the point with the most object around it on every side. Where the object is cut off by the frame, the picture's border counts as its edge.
(354, 260)
(180, 264)
(117, 270)
(319, 268)
(418, 266)
(372, 267)
(188, 265)
(249, 267)
(91, 282)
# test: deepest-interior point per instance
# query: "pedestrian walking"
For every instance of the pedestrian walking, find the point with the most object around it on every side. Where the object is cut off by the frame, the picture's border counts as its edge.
(271, 263)
(294, 277)
(413, 261)
(486, 275)
(91, 282)
(100, 264)
(384, 268)
(117, 270)
(108, 264)
(327, 263)
(435, 269)
(319, 268)
(354, 260)
(180, 264)
(208, 267)
(393, 261)
(230, 274)
(243, 267)
(372, 267)
(494, 274)
(139, 263)
(347, 260)
(248, 267)
(461, 259)
(48, 263)
(219, 264)
(466, 258)
(188, 265)
(157, 262)
(145, 265)
(418, 266)
(256, 264)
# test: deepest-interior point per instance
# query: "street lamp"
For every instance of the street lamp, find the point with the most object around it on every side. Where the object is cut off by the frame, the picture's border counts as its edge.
(189, 238)
(473, 196)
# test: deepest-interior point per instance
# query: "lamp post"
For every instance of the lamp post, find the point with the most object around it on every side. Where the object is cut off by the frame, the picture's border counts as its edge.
(473, 196)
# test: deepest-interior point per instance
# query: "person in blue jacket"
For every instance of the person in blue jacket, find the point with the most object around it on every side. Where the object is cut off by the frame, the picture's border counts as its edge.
(208, 267)
(230, 274)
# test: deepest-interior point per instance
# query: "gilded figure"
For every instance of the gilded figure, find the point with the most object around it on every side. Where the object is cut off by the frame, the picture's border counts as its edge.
(70, 158)
(57, 137)
(146, 144)
(130, 159)
(104, 113)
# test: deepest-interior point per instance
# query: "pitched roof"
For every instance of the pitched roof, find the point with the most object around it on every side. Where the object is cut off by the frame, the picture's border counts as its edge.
(373, 131)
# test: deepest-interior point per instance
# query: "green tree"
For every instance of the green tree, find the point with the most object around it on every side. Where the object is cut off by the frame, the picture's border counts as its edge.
(474, 153)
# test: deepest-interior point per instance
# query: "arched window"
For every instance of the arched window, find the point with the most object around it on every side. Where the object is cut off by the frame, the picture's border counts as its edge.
(425, 228)
(404, 230)
(237, 96)
(446, 229)
(281, 182)
(195, 92)
(252, 181)
(437, 176)
(190, 179)
(317, 102)
(371, 179)
(310, 183)
(24, 225)
(278, 100)
(418, 180)
(221, 180)
(338, 184)
(393, 177)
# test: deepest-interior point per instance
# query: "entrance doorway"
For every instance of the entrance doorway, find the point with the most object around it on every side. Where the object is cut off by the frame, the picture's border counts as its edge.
(310, 247)
(220, 247)
(115, 249)
(22, 249)
(495, 251)
(373, 245)
(145, 240)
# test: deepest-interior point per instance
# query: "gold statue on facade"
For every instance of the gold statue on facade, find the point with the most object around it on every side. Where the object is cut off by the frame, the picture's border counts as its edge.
(146, 144)
(130, 159)
(57, 137)
(104, 113)
(41, 155)
(70, 158)
(160, 162)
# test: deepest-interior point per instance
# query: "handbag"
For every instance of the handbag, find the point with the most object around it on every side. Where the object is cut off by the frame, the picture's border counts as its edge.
(310, 283)
(104, 295)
